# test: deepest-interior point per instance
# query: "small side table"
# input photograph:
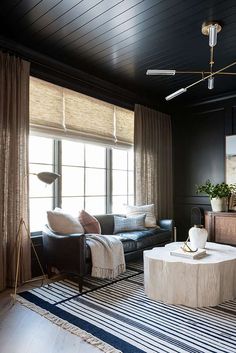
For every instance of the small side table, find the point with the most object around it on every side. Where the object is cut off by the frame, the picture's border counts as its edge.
(208, 281)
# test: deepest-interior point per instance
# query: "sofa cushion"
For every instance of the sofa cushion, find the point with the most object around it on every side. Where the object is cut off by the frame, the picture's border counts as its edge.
(148, 238)
(129, 244)
(106, 223)
(123, 224)
(150, 220)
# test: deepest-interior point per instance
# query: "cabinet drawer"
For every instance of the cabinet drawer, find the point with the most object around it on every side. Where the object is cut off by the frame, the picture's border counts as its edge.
(221, 227)
(225, 230)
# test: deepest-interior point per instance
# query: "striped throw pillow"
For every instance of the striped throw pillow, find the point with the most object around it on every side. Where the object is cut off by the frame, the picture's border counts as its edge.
(123, 224)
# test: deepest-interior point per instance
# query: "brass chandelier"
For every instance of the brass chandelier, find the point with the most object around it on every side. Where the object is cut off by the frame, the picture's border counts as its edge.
(211, 29)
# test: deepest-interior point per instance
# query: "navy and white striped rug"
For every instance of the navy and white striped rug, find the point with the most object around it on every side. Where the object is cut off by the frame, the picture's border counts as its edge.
(120, 314)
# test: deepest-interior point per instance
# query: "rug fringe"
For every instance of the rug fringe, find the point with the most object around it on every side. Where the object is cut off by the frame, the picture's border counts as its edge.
(108, 272)
(85, 336)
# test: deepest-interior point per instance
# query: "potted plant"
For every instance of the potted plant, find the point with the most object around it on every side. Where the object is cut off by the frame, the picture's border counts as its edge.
(219, 194)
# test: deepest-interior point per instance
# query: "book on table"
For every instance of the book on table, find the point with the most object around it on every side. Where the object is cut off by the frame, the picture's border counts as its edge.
(187, 254)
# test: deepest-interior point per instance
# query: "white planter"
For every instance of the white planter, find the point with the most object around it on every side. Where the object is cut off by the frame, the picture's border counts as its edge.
(198, 237)
(219, 204)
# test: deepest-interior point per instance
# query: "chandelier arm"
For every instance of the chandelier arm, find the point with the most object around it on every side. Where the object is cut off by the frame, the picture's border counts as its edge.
(183, 90)
(211, 59)
(213, 74)
(227, 73)
(205, 72)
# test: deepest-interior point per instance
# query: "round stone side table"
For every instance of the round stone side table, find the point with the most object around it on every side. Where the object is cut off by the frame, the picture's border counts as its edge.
(208, 281)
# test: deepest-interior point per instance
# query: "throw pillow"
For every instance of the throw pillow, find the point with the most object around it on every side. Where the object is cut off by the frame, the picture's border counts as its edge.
(63, 223)
(123, 224)
(150, 220)
(90, 223)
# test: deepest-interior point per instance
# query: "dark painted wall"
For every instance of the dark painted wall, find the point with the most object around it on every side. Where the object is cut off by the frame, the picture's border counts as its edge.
(199, 154)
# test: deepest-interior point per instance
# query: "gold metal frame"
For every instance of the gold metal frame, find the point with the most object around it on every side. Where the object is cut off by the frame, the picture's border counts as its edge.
(204, 73)
(186, 247)
(19, 235)
(206, 25)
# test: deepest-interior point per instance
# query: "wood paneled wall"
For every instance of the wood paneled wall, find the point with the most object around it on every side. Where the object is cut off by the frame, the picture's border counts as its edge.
(199, 154)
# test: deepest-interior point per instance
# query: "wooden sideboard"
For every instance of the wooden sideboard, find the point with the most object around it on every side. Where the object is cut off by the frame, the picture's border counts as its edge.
(221, 227)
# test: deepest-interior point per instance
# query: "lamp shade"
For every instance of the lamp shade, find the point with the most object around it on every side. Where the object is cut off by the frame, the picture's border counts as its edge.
(212, 35)
(161, 72)
(210, 82)
(47, 177)
(175, 94)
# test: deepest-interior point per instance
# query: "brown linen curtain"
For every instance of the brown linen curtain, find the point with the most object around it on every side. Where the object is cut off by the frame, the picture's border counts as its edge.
(153, 160)
(14, 131)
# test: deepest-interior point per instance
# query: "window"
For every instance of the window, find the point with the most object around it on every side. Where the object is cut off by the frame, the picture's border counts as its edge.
(41, 158)
(96, 178)
(83, 177)
(122, 179)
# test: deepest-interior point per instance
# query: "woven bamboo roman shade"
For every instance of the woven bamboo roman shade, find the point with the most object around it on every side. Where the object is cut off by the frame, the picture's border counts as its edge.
(65, 113)
(46, 104)
(88, 116)
(124, 126)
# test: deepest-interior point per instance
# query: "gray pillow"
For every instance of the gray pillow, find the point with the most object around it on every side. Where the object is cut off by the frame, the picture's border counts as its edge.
(123, 224)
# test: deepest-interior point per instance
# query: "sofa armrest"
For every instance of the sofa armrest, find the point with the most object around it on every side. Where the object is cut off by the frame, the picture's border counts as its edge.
(167, 224)
(65, 252)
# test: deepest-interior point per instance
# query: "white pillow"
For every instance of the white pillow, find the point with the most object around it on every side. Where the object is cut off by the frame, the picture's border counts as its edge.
(150, 220)
(63, 223)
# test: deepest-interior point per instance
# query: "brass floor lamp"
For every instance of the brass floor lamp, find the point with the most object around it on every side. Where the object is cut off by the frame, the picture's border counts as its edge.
(48, 178)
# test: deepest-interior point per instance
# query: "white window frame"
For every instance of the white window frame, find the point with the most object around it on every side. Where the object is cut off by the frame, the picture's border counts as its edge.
(57, 167)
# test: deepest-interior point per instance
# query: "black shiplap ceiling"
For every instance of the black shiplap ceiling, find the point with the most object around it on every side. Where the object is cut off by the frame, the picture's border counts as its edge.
(119, 40)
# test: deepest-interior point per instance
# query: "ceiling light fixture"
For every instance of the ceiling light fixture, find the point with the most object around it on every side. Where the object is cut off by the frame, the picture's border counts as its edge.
(161, 72)
(211, 29)
(182, 90)
(212, 35)
(175, 94)
(210, 82)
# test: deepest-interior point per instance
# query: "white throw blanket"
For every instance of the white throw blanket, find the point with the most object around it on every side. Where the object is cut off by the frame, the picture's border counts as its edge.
(107, 252)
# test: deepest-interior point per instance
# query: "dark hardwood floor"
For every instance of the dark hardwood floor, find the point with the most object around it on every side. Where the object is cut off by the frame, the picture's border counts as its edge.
(24, 331)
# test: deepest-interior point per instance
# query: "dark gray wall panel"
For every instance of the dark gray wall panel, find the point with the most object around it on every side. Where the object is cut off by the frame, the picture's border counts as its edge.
(198, 155)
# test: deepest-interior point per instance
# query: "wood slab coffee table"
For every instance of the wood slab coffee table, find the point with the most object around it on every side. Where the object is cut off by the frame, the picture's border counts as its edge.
(208, 281)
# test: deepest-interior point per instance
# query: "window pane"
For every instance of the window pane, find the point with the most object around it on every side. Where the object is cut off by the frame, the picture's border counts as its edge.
(40, 150)
(119, 159)
(72, 153)
(38, 213)
(73, 205)
(131, 159)
(119, 182)
(95, 205)
(95, 156)
(36, 187)
(130, 183)
(95, 182)
(131, 200)
(118, 204)
(72, 181)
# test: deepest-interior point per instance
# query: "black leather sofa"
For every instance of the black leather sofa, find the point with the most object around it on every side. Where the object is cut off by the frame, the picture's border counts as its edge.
(70, 253)
(134, 242)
